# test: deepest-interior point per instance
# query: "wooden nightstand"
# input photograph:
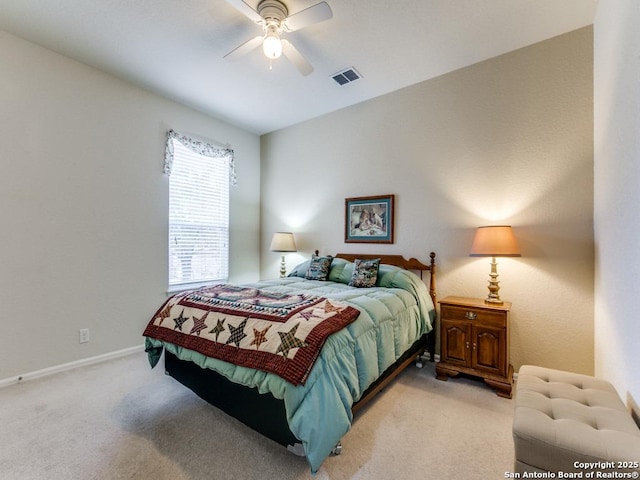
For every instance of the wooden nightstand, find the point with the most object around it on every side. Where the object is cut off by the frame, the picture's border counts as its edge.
(474, 339)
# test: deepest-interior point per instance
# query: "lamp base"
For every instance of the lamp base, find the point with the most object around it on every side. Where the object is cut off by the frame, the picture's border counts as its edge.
(493, 301)
(283, 268)
(494, 285)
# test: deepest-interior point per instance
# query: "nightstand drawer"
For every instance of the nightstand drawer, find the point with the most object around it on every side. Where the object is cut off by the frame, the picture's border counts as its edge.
(486, 317)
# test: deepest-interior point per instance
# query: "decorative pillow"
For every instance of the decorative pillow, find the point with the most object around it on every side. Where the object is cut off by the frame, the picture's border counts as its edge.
(299, 270)
(319, 268)
(365, 273)
(336, 272)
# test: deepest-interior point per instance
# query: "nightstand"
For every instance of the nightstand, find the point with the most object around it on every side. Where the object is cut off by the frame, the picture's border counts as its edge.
(474, 339)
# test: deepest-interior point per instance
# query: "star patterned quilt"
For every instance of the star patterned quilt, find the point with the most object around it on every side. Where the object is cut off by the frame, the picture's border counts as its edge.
(275, 332)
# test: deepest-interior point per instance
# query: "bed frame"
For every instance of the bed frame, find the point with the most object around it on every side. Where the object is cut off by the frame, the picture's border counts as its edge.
(266, 414)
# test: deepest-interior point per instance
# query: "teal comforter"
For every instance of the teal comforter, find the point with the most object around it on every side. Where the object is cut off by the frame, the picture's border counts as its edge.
(393, 315)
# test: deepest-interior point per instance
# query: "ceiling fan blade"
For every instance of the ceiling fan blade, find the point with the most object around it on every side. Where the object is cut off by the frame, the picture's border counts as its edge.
(246, 10)
(314, 14)
(295, 57)
(245, 48)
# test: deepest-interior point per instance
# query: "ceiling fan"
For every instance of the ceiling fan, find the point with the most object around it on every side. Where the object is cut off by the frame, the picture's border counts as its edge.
(274, 18)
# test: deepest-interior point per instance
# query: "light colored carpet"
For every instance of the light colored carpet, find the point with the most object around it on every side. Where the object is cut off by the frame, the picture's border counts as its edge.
(122, 420)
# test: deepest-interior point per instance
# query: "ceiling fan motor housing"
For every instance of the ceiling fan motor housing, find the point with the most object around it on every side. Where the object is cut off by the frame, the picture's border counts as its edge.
(273, 10)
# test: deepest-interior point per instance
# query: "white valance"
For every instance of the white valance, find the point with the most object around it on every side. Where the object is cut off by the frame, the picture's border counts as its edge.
(202, 148)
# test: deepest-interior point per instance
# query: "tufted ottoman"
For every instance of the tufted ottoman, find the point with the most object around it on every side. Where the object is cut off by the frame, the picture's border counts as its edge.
(566, 422)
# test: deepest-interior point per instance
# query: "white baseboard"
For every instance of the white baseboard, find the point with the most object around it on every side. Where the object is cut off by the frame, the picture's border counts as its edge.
(69, 366)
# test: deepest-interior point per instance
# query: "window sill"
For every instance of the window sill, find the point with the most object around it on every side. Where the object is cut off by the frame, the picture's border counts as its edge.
(173, 289)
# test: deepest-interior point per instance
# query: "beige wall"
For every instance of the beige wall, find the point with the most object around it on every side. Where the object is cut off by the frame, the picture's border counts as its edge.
(617, 193)
(508, 140)
(83, 207)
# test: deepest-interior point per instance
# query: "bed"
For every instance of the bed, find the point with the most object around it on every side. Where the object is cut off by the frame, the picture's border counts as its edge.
(372, 334)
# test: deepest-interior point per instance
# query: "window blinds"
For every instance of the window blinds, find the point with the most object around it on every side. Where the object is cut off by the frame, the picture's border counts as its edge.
(198, 218)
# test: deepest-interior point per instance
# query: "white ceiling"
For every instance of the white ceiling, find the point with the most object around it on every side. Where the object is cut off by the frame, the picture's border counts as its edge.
(175, 47)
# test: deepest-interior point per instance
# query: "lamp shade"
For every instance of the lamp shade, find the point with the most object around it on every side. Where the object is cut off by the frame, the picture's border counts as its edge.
(495, 241)
(283, 242)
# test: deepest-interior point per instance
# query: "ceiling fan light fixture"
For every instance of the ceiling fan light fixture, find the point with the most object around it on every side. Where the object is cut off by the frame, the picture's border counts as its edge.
(272, 46)
(273, 16)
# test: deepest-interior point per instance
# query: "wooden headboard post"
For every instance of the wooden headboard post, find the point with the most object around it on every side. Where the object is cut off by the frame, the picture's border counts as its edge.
(432, 277)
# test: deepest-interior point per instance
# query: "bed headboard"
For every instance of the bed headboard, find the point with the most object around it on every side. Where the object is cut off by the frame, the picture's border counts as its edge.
(400, 261)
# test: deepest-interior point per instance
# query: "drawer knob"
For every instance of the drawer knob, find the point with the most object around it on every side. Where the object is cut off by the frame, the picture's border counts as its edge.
(470, 315)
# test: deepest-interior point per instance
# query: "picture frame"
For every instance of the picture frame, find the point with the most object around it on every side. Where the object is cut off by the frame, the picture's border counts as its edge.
(369, 219)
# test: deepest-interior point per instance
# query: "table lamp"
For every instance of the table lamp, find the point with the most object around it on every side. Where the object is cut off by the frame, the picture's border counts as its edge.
(494, 241)
(283, 242)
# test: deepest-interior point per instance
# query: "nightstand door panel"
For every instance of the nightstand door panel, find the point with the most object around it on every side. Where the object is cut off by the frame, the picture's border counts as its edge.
(456, 345)
(488, 352)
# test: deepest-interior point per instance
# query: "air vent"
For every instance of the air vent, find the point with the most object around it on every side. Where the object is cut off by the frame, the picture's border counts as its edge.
(346, 76)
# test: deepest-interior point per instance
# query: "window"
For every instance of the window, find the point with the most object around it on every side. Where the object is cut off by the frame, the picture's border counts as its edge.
(199, 186)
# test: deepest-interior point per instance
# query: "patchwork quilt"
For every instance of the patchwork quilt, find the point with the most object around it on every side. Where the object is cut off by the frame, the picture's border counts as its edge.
(276, 332)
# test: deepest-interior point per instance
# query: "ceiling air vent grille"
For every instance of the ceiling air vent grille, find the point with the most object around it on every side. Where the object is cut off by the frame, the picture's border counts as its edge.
(346, 76)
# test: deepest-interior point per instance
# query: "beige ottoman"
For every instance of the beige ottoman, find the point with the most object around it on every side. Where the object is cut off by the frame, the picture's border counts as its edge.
(566, 422)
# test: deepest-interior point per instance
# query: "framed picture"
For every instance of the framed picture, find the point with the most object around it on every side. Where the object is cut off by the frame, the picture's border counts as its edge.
(368, 219)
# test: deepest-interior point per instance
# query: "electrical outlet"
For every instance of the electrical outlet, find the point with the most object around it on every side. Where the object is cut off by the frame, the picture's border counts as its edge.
(84, 335)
